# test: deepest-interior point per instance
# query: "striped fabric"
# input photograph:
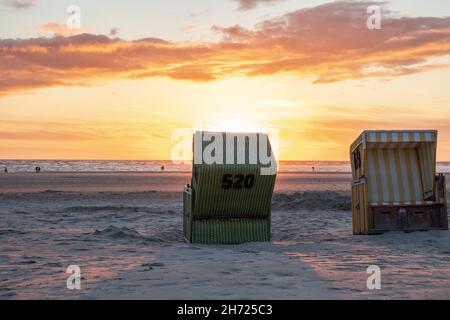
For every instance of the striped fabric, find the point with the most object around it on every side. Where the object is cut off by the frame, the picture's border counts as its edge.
(394, 176)
(239, 158)
(399, 136)
(211, 200)
(427, 161)
(230, 231)
(230, 201)
(400, 167)
(406, 203)
(393, 170)
(233, 148)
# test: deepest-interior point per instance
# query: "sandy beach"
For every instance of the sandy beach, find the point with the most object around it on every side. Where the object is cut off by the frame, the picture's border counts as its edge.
(124, 230)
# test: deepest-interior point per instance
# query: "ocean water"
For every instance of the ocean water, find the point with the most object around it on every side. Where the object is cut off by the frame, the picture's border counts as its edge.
(169, 166)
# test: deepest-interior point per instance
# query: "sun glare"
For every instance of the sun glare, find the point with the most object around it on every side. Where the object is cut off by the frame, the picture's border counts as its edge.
(237, 123)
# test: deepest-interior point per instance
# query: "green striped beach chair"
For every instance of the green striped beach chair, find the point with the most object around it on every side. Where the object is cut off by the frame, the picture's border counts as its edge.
(230, 196)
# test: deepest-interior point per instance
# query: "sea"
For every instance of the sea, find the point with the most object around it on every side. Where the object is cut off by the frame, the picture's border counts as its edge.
(167, 166)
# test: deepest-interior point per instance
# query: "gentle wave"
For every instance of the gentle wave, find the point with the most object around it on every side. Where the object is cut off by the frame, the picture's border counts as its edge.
(129, 234)
(167, 166)
(119, 233)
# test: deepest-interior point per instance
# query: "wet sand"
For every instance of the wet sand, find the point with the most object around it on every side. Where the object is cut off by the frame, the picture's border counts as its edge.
(142, 182)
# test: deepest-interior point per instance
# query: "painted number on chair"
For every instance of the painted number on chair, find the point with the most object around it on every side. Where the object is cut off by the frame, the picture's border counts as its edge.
(238, 181)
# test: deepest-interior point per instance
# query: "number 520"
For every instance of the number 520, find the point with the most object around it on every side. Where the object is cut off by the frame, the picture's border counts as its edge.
(238, 181)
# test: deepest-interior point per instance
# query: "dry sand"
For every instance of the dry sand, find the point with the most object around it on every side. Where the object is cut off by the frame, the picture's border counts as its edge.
(124, 231)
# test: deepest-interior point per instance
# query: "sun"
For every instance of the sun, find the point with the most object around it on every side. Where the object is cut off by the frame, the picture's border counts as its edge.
(236, 122)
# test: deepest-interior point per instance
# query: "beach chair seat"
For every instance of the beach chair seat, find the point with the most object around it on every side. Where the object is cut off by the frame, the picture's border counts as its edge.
(229, 203)
(395, 186)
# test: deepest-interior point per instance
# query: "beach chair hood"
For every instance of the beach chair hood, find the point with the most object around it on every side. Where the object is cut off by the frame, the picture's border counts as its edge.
(233, 177)
(235, 185)
(394, 184)
(400, 165)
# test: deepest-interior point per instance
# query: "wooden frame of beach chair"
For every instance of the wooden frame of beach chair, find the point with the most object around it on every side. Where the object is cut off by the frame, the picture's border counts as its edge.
(229, 203)
(394, 184)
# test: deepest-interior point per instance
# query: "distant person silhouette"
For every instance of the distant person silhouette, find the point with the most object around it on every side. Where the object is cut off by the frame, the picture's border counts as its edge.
(313, 169)
(162, 168)
(6, 170)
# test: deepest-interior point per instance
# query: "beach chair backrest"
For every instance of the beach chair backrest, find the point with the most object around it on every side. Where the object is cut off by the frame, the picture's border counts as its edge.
(394, 176)
(232, 176)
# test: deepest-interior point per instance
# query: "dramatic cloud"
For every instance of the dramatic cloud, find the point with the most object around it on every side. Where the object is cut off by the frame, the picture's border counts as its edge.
(19, 4)
(326, 43)
(250, 4)
(58, 29)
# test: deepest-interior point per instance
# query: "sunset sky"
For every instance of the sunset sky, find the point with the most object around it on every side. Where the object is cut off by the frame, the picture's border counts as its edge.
(137, 71)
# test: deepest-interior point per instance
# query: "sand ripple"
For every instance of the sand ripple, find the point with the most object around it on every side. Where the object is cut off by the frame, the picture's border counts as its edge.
(312, 200)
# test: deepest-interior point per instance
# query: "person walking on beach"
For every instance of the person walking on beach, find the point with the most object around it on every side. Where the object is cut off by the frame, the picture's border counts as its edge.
(162, 168)
(6, 170)
(313, 169)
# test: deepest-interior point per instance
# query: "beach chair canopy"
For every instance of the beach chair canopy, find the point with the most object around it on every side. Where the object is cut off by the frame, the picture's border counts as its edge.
(399, 166)
(233, 175)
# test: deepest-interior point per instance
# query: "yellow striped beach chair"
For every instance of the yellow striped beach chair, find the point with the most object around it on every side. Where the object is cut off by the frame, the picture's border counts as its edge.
(394, 185)
(230, 196)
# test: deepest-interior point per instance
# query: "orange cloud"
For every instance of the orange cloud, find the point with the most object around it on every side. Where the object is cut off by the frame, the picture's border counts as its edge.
(326, 43)
(58, 29)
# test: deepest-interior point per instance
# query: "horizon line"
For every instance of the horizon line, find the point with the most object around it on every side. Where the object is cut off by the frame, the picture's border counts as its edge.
(167, 160)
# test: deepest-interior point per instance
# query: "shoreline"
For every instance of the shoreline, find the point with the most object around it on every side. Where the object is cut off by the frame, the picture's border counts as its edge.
(126, 182)
(129, 182)
(156, 172)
